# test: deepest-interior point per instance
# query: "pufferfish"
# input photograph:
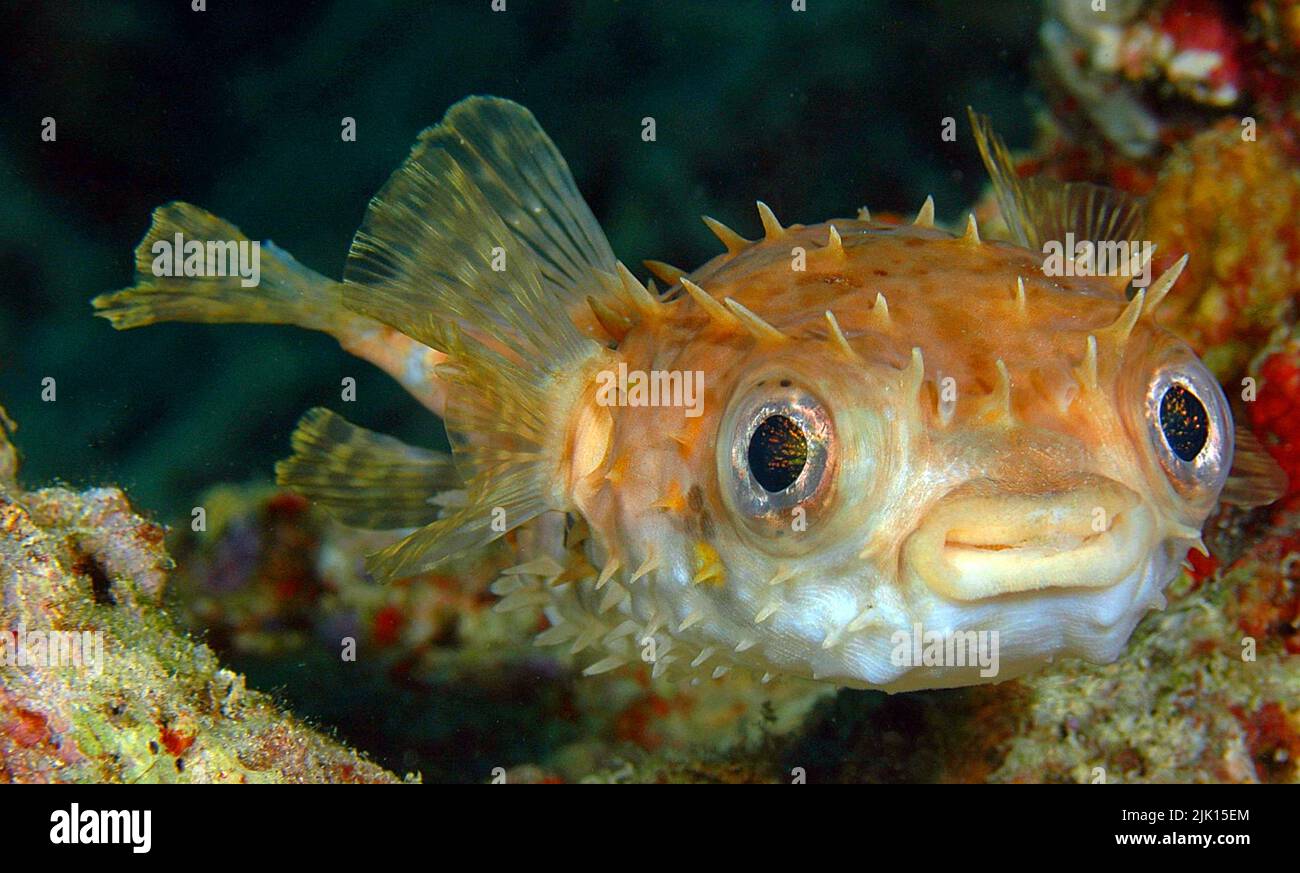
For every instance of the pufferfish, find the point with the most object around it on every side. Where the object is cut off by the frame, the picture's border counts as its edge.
(898, 430)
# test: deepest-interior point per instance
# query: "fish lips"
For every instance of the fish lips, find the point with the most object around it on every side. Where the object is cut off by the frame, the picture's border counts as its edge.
(977, 543)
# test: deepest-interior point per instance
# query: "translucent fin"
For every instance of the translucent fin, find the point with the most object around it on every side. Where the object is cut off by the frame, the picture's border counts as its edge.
(480, 246)
(287, 292)
(482, 225)
(1037, 210)
(1255, 478)
(525, 180)
(362, 478)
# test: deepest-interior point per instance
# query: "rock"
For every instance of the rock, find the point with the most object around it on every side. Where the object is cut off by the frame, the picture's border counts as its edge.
(96, 684)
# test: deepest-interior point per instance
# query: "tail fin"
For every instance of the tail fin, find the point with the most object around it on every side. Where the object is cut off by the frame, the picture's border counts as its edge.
(286, 293)
(481, 247)
(362, 478)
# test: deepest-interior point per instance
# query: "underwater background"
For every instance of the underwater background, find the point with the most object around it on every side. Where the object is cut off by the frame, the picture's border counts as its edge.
(238, 109)
(240, 112)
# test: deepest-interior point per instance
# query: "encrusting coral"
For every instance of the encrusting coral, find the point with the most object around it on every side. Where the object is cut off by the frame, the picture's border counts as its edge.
(138, 701)
(1232, 201)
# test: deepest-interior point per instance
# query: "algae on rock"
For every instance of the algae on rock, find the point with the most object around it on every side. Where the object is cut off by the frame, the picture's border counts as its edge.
(140, 701)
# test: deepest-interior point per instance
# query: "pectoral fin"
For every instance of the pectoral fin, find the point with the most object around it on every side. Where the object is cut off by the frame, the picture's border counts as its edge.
(1255, 478)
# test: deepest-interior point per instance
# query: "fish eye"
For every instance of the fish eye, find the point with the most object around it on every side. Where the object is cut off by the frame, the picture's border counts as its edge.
(1190, 428)
(778, 452)
(779, 457)
(1184, 423)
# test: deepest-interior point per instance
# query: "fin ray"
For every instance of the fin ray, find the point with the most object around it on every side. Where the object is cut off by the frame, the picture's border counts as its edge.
(1038, 210)
(1255, 479)
(480, 246)
(526, 180)
(362, 478)
(287, 293)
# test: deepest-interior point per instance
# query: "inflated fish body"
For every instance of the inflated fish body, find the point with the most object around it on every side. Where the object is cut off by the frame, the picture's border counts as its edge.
(873, 454)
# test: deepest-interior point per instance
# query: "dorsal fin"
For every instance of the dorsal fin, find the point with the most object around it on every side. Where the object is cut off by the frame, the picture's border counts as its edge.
(1039, 209)
(479, 245)
(526, 181)
(483, 222)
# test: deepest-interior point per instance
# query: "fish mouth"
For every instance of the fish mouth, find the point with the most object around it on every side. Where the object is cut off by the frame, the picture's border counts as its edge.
(980, 542)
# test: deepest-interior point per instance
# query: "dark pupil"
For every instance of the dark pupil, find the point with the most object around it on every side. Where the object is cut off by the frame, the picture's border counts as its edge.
(1183, 420)
(777, 452)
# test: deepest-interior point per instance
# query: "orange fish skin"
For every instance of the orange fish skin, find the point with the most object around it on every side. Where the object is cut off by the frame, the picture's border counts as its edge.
(1048, 438)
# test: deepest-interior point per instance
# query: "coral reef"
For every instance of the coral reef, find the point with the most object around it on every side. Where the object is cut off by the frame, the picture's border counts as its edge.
(1231, 201)
(1147, 73)
(1206, 692)
(96, 685)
